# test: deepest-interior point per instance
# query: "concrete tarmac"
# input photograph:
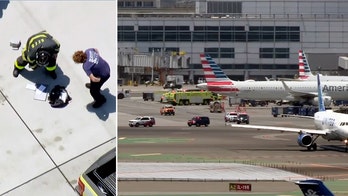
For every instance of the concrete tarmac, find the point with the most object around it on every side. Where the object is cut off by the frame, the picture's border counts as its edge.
(171, 140)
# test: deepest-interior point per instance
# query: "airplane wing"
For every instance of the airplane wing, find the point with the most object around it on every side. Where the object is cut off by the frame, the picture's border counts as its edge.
(282, 129)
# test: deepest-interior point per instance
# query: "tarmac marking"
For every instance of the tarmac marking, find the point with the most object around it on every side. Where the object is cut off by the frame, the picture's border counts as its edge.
(153, 140)
(330, 166)
(272, 137)
(149, 154)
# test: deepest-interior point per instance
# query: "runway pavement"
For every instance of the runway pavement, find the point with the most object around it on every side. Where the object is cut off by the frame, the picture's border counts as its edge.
(172, 141)
(44, 150)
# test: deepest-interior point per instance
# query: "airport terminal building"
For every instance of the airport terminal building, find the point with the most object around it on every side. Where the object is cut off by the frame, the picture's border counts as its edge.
(249, 39)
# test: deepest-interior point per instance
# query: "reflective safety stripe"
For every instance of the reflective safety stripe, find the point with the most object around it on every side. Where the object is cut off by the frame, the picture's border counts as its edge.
(33, 66)
(51, 68)
(35, 37)
(18, 66)
(25, 57)
(88, 187)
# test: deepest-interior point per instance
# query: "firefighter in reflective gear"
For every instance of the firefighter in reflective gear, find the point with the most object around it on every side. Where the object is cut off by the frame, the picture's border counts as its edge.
(41, 49)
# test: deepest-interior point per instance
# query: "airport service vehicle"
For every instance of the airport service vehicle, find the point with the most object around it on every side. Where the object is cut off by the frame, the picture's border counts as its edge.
(198, 121)
(174, 81)
(167, 110)
(100, 177)
(123, 94)
(285, 111)
(142, 121)
(190, 96)
(242, 118)
(148, 96)
(216, 106)
(231, 117)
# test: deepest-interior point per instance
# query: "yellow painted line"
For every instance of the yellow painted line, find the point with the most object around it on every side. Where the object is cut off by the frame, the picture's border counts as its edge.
(122, 138)
(150, 154)
(88, 187)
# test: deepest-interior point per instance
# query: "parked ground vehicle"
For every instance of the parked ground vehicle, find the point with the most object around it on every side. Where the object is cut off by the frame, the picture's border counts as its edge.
(231, 117)
(142, 121)
(294, 110)
(167, 110)
(174, 81)
(100, 177)
(148, 96)
(217, 106)
(243, 118)
(198, 121)
(123, 94)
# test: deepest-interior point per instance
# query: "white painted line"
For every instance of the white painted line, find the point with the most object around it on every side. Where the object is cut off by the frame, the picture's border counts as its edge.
(150, 154)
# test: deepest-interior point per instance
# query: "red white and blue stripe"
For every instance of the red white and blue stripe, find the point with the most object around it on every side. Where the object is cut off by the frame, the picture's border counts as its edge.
(304, 70)
(217, 80)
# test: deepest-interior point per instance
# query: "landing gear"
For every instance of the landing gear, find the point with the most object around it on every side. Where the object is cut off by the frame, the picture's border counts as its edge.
(346, 142)
(313, 144)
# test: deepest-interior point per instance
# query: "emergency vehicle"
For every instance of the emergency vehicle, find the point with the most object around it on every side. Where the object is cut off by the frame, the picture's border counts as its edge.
(187, 97)
(100, 177)
(167, 109)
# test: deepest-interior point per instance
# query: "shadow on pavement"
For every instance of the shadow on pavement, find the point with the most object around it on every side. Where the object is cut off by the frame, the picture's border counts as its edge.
(3, 6)
(40, 76)
(109, 107)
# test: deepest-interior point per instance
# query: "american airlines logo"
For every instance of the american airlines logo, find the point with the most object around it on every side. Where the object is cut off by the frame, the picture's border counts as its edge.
(310, 192)
(335, 88)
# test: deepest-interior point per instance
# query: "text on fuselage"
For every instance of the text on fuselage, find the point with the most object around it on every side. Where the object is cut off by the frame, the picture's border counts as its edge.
(335, 88)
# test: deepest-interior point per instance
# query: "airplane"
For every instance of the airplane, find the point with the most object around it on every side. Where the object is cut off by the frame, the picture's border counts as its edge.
(305, 73)
(313, 187)
(298, 92)
(329, 125)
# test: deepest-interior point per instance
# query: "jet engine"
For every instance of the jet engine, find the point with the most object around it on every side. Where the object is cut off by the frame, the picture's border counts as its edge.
(327, 101)
(304, 140)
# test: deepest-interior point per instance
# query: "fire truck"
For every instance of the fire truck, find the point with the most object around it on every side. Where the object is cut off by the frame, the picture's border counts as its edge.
(188, 97)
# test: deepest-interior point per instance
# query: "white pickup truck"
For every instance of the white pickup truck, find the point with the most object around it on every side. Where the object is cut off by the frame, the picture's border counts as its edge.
(123, 94)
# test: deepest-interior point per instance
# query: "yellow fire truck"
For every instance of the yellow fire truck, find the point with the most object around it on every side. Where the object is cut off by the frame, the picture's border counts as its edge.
(188, 97)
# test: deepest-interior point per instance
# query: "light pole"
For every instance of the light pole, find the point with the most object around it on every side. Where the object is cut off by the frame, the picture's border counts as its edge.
(153, 63)
(132, 63)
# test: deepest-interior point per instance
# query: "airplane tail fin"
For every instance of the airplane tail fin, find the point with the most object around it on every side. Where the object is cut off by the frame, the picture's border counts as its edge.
(304, 71)
(314, 187)
(212, 72)
(320, 95)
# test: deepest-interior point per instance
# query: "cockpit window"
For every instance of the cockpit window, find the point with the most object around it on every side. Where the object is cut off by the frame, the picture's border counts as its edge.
(344, 124)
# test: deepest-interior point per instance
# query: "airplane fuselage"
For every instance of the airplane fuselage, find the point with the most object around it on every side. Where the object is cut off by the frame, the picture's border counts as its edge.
(336, 123)
(326, 78)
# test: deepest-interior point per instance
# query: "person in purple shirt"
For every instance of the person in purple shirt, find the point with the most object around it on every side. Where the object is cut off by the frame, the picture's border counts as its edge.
(98, 71)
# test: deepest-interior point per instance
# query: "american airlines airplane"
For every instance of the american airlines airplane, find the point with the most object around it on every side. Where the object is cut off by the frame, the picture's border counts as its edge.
(304, 70)
(329, 125)
(300, 92)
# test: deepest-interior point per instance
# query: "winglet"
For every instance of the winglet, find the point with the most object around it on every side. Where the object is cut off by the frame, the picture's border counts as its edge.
(286, 87)
(320, 95)
(313, 187)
